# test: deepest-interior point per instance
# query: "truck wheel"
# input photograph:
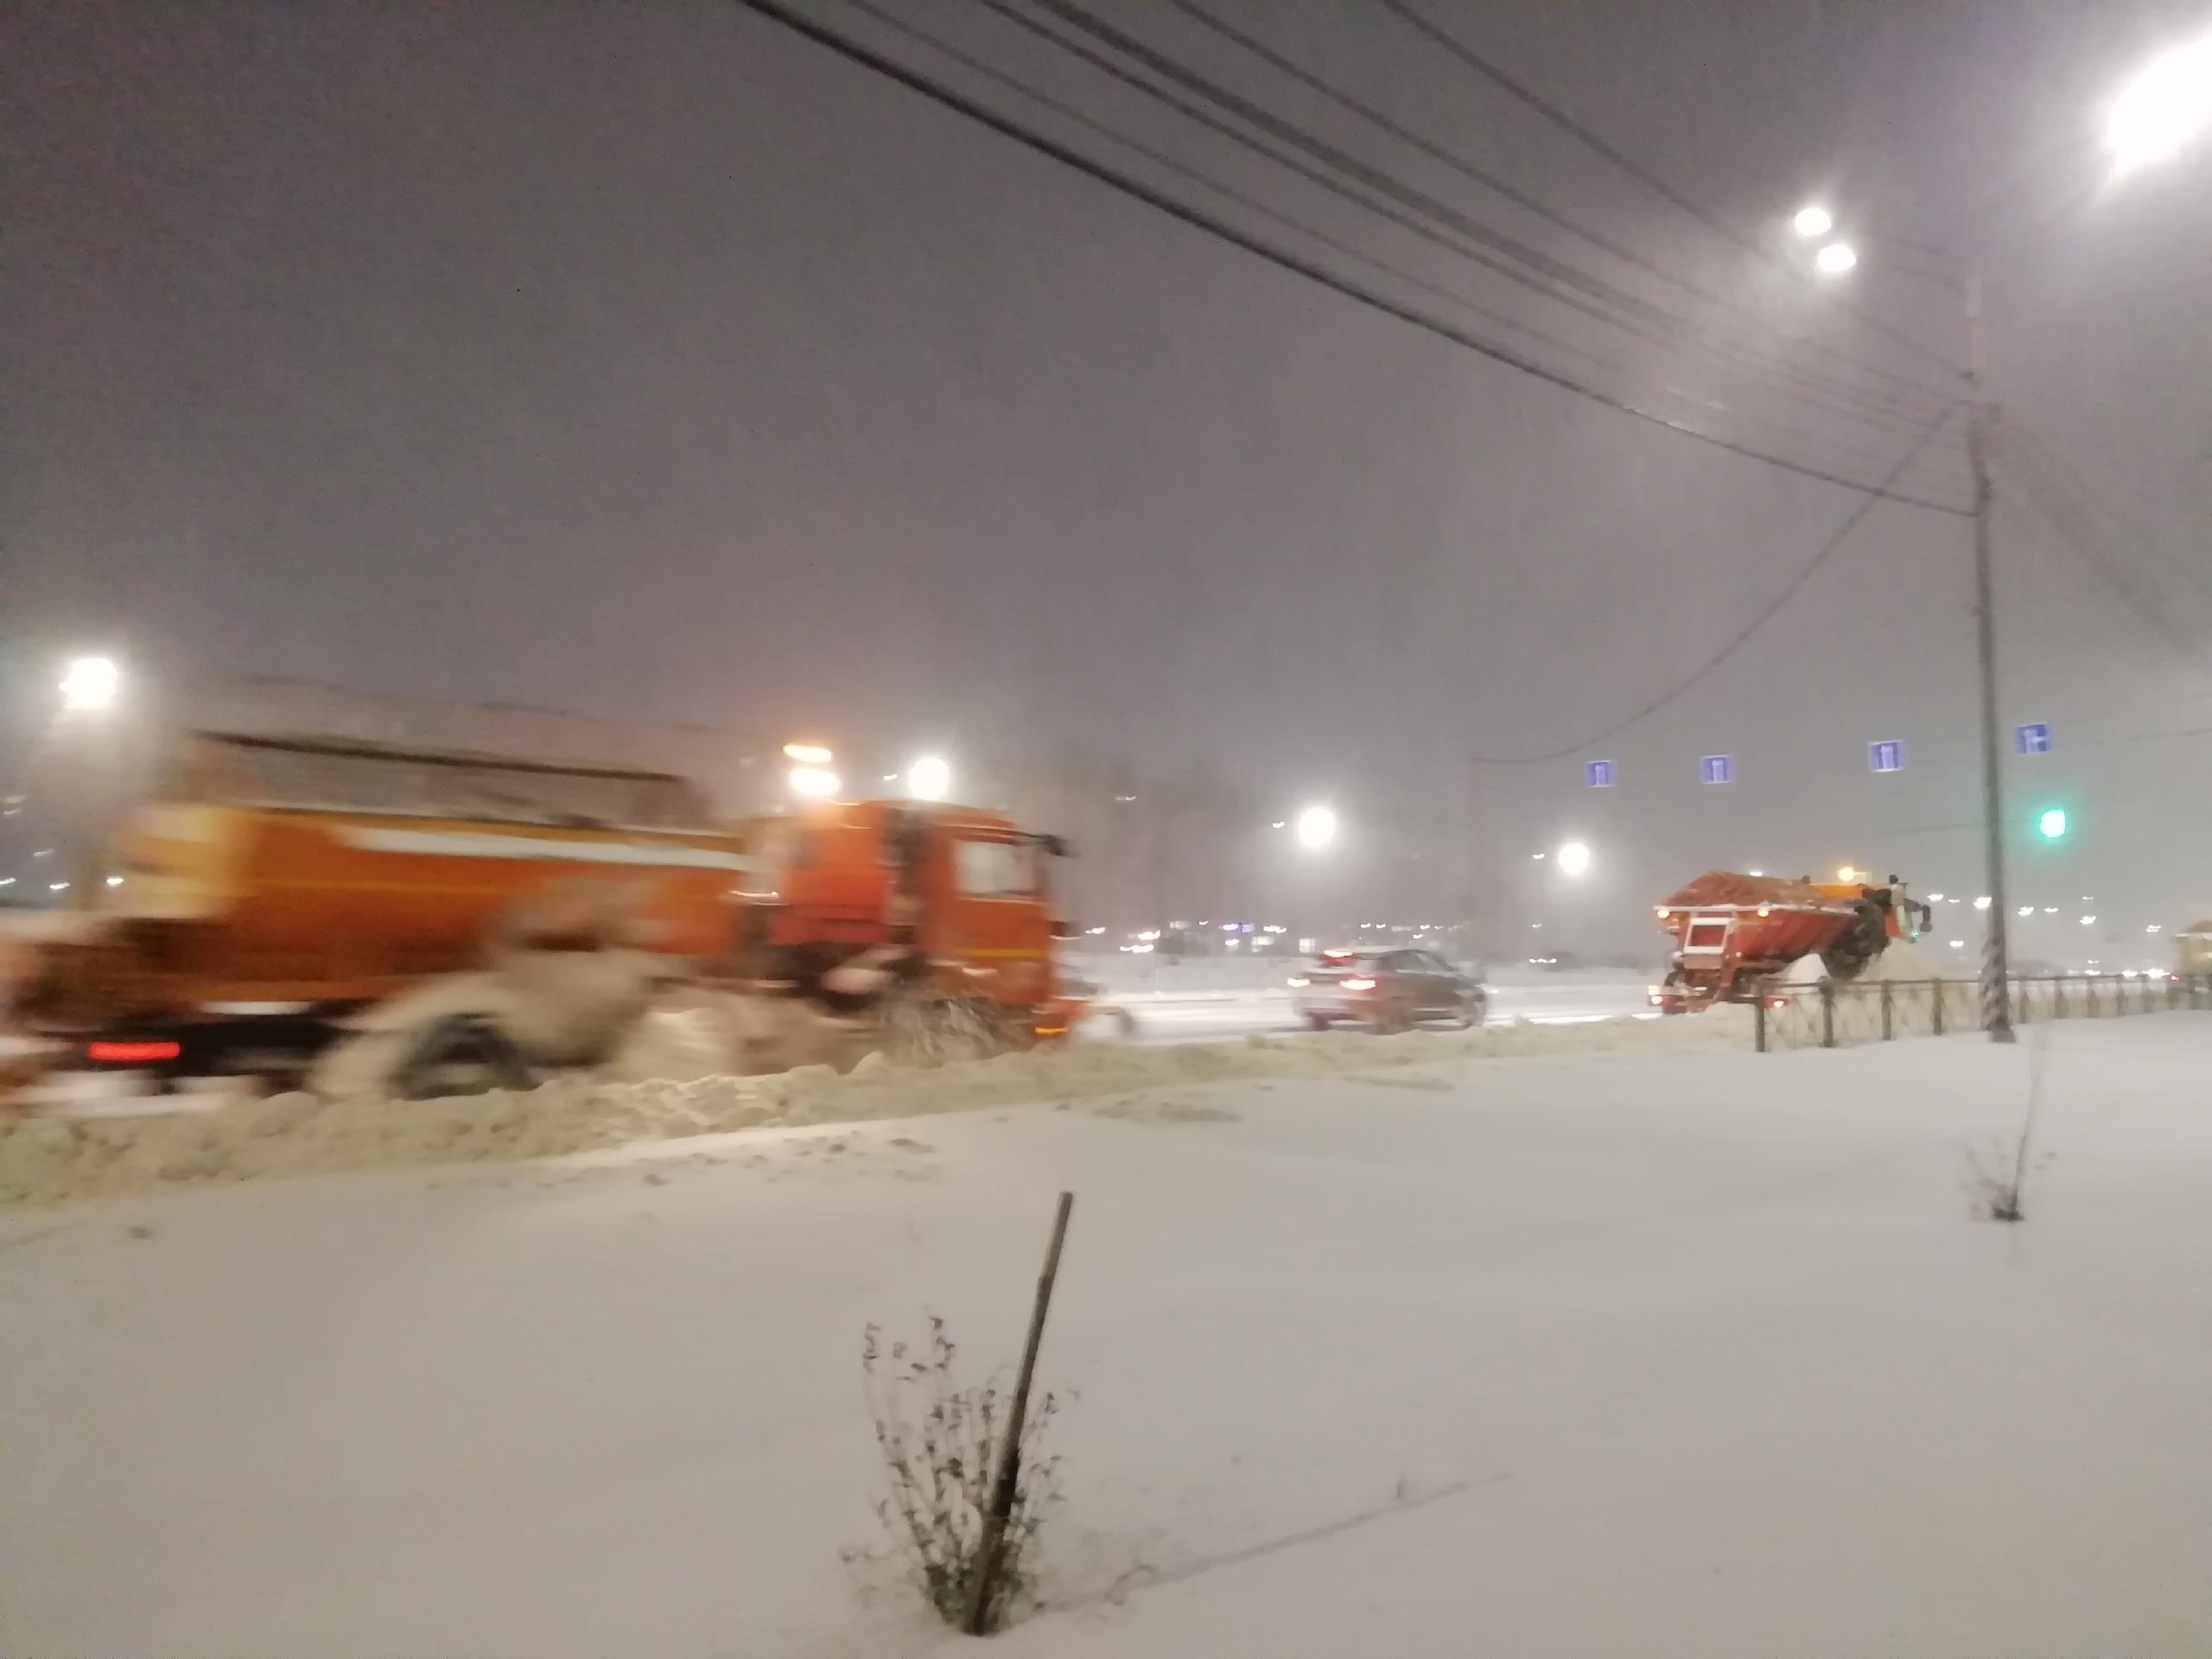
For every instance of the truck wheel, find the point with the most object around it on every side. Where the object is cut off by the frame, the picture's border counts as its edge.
(461, 1054)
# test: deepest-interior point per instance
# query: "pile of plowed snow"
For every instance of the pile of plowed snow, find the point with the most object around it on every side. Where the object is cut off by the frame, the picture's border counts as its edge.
(43, 1159)
(1900, 960)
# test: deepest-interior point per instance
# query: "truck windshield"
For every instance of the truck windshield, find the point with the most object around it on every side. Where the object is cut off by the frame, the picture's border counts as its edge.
(996, 869)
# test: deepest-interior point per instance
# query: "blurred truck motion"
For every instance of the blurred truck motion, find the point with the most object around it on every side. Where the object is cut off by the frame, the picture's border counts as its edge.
(360, 918)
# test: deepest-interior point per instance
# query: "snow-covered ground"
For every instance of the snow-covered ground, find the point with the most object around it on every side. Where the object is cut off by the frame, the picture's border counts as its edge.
(1653, 1352)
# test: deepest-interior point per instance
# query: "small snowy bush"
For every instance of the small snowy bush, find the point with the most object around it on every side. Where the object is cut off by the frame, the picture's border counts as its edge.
(940, 1444)
(1995, 1182)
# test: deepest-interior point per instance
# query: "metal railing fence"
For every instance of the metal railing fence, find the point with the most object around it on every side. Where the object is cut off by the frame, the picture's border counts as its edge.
(1881, 1011)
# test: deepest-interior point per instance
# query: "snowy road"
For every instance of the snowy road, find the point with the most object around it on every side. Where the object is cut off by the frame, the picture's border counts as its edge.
(1643, 1355)
(1225, 1016)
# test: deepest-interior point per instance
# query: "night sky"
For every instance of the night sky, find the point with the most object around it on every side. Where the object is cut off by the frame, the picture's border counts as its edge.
(649, 360)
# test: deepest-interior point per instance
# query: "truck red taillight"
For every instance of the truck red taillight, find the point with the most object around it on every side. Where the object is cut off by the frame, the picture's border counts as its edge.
(146, 1053)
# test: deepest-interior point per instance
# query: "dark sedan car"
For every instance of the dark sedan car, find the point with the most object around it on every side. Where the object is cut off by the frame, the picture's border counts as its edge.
(1386, 990)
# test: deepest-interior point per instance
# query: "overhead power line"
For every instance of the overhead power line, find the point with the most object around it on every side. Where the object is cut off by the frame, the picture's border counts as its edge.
(2078, 540)
(2024, 440)
(1251, 204)
(937, 91)
(1532, 267)
(1383, 210)
(1743, 635)
(1381, 119)
(1643, 175)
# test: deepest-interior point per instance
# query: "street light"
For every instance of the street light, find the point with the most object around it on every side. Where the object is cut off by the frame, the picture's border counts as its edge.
(1317, 828)
(90, 682)
(929, 778)
(2166, 104)
(1574, 859)
(811, 778)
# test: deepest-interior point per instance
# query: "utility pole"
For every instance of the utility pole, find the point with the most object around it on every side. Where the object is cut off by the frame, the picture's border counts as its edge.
(1996, 990)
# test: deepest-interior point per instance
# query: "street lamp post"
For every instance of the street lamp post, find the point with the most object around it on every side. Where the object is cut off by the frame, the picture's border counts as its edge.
(1833, 259)
(1996, 985)
(2165, 107)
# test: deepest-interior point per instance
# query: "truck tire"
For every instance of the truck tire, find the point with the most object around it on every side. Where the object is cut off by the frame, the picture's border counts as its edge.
(461, 1054)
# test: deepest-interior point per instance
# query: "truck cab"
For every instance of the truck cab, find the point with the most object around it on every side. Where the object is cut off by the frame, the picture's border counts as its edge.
(953, 901)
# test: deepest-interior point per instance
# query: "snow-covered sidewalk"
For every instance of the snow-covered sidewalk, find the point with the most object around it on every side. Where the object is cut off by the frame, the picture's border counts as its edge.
(1641, 1353)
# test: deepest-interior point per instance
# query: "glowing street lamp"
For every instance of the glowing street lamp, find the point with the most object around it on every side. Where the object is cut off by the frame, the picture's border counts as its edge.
(1834, 258)
(929, 778)
(1813, 220)
(2168, 103)
(810, 777)
(1574, 859)
(1316, 827)
(90, 682)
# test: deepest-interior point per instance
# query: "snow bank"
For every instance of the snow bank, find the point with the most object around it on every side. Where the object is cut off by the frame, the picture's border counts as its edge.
(1902, 960)
(43, 1159)
(1807, 969)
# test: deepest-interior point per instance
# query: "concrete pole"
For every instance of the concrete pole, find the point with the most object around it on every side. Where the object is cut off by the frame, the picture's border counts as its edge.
(1996, 990)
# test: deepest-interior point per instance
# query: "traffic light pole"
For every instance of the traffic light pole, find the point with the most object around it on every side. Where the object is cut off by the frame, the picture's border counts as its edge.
(1996, 990)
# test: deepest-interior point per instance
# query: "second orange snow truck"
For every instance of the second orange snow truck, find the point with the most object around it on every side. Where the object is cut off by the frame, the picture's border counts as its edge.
(1735, 934)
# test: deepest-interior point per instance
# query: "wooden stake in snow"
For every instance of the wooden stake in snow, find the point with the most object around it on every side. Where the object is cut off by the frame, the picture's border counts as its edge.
(1008, 1480)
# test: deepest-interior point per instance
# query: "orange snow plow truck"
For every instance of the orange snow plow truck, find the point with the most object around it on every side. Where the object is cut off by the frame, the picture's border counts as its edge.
(1734, 935)
(473, 920)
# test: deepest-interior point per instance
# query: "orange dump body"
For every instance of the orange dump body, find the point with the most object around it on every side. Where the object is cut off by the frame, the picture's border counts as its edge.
(1732, 930)
(323, 871)
(966, 890)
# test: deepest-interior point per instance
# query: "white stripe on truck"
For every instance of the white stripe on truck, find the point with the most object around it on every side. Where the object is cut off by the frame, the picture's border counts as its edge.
(461, 843)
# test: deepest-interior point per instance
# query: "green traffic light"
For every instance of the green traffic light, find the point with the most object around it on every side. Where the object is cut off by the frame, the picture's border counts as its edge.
(2052, 824)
